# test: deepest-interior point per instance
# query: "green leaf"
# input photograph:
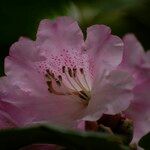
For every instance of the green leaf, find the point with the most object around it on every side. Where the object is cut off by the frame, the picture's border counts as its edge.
(145, 142)
(19, 137)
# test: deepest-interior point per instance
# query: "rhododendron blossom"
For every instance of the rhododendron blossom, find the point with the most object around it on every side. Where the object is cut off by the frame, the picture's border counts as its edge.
(60, 78)
(137, 62)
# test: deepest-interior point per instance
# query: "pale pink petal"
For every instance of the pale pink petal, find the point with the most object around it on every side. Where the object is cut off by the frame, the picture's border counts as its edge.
(62, 33)
(146, 64)
(96, 37)
(25, 50)
(28, 90)
(11, 98)
(6, 121)
(110, 95)
(147, 57)
(11, 116)
(80, 125)
(139, 110)
(24, 76)
(104, 48)
(135, 60)
(57, 110)
(105, 51)
(133, 54)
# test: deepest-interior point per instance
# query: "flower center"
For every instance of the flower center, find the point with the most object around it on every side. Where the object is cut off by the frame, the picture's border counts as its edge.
(71, 82)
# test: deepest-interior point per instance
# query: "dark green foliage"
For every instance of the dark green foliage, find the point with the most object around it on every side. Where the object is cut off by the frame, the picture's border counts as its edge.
(145, 142)
(17, 138)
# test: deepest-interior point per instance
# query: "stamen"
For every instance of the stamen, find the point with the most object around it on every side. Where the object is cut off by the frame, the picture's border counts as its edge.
(74, 72)
(70, 82)
(81, 70)
(77, 87)
(48, 83)
(60, 78)
(73, 85)
(52, 90)
(50, 74)
(70, 72)
(46, 75)
(58, 83)
(86, 81)
(47, 70)
(85, 97)
(63, 69)
(79, 83)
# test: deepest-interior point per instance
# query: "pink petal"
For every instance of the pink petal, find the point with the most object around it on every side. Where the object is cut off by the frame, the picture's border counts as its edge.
(133, 53)
(104, 48)
(29, 92)
(146, 63)
(110, 95)
(24, 76)
(10, 115)
(139, 110)
(147, 57)
(6, 121)
(25, 50)
(135, 60)
(63, 33)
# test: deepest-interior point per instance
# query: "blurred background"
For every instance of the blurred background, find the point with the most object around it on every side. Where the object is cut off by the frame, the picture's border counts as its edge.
(21, 18)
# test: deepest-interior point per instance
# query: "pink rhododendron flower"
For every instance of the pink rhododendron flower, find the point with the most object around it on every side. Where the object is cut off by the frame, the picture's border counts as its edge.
(60, 78)
(137, 62)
